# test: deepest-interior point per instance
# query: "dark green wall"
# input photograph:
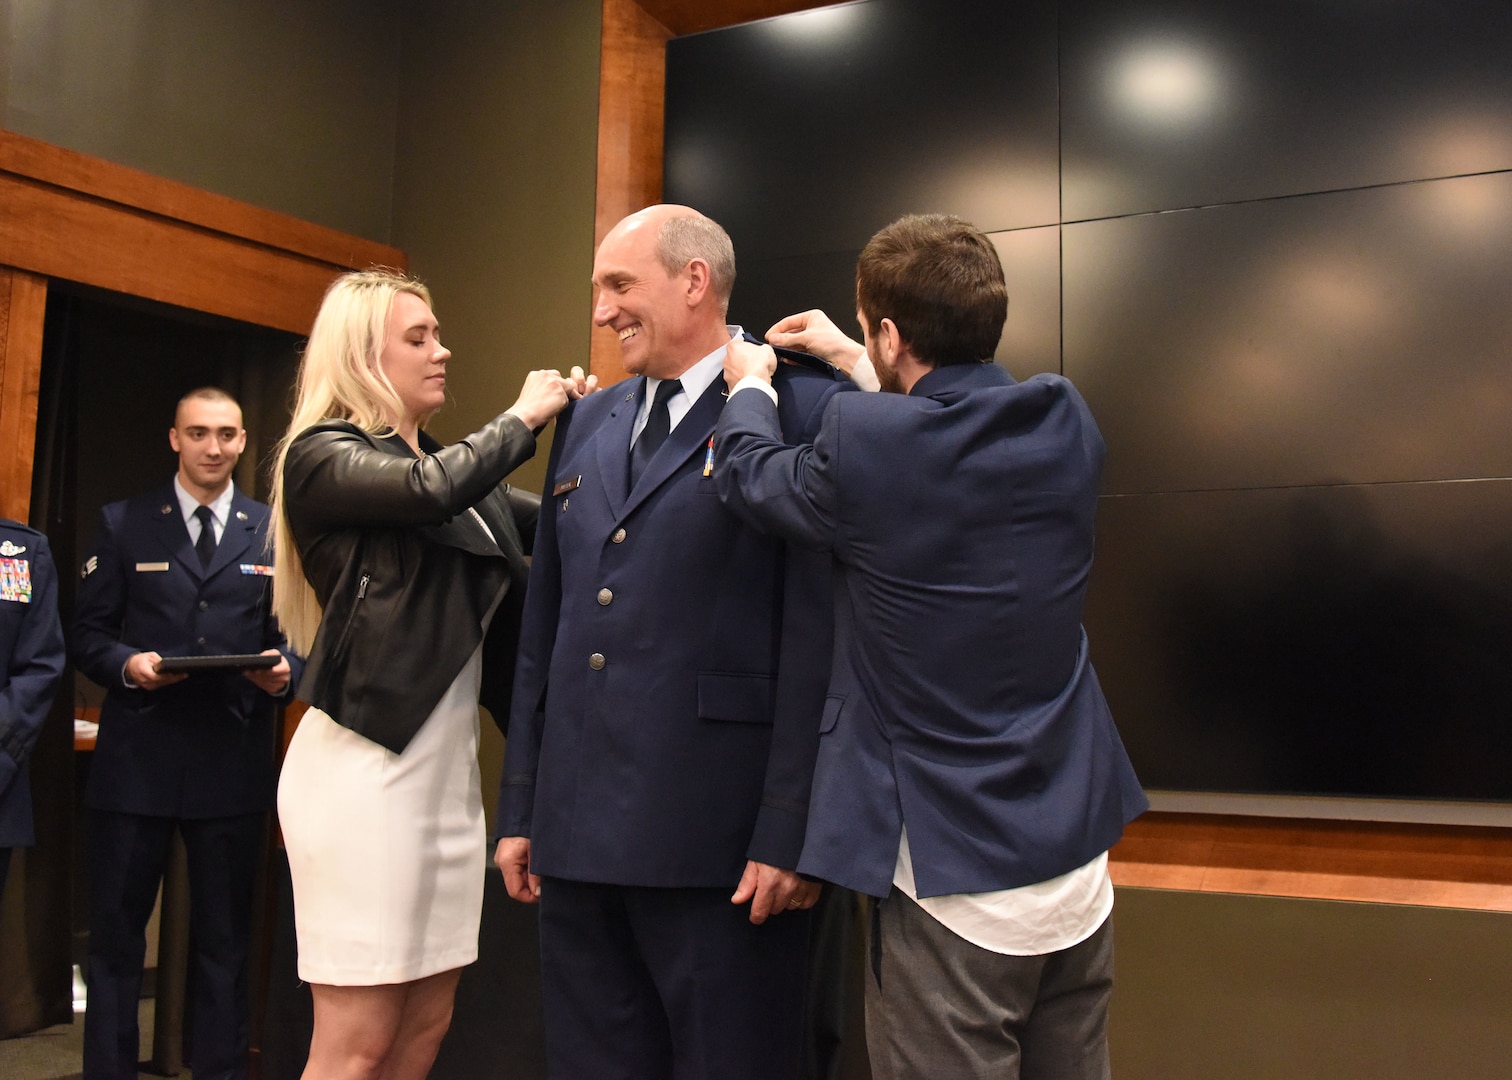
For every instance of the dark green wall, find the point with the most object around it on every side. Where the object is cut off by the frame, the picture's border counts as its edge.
(1213, 987)
(494, 193)
(285, 104)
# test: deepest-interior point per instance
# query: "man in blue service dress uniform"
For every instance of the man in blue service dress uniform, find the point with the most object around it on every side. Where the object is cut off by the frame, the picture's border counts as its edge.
(181, 571)
(969, 771)
(667, 700)
(31, 645)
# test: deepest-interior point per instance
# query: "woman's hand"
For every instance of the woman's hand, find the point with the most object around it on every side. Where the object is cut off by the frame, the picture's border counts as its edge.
(547, 393)
(583, 384)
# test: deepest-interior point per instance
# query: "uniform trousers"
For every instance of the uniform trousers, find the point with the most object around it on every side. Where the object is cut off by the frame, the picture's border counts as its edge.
(644, 983)
(938, 1006)
(128, 854)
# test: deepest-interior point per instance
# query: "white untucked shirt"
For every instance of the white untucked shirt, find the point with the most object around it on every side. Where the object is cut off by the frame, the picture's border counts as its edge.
(1031, 920)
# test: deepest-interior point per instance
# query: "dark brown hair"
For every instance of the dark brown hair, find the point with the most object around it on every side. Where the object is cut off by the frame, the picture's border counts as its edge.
(940, 282)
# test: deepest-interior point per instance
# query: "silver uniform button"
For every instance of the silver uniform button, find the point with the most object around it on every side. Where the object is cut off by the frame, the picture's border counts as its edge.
(619, 536)
(605, 597)
(596, 661)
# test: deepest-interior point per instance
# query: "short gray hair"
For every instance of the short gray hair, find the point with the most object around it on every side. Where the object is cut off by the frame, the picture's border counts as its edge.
(686, 237)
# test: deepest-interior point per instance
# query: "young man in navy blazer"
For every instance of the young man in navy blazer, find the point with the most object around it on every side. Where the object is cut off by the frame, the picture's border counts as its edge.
(667, 698)
(969, 772)
(181, 571)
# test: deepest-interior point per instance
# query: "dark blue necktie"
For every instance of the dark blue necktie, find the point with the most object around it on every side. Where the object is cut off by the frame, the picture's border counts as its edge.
(204, 547)
(658, 426)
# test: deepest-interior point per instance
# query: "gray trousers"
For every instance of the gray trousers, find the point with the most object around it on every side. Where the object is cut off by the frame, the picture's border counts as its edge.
(941, 1008)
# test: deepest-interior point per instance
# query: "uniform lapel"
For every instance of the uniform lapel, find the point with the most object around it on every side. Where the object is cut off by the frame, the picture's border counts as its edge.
(690, 436)
(236, 538)
(613, 443)
(173, 533)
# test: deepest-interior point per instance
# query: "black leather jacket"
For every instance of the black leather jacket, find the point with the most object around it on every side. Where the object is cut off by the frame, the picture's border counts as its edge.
(404, 573)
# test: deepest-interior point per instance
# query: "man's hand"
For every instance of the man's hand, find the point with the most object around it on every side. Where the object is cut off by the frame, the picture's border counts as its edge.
(273, 680)
(512, 857)
(142, 672)
(772, 890)
(815, 332)
(743, 358)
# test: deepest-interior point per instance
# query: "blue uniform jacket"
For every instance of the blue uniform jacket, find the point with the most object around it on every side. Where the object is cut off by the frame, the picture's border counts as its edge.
(203, 747)
(673, 659)
(31, 643)
(962, 699)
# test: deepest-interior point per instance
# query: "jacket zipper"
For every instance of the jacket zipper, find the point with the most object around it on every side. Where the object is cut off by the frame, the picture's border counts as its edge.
(346, 631)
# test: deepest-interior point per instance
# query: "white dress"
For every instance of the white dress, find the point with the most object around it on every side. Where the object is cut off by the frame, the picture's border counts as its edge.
(387, 851)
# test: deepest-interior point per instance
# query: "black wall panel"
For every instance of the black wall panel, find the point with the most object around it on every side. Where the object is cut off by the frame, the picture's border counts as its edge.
(1177, 103)
(1348, 641)
(1272, 244)
(808, 133)
(766, 290)
(1355, 337)
(1031, 266)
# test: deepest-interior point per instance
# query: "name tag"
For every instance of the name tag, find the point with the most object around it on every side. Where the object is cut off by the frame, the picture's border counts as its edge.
(567, 485)
(151, 567)
(15, 581)
(257, 568)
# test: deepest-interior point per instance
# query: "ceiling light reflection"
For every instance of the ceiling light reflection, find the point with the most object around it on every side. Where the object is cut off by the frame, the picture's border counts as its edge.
(821, 27)
(1170, 83)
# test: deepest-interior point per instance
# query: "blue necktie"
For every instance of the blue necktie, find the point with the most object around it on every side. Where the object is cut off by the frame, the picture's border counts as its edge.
(204, 547)
(658, 426)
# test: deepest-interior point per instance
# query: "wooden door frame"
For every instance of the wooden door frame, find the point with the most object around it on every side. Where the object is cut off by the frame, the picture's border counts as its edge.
(69, 216)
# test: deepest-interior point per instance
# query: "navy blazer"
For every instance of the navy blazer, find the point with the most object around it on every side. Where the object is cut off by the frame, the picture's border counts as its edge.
(203, 747)
(31, 645)
(962, 700)
(673, 659)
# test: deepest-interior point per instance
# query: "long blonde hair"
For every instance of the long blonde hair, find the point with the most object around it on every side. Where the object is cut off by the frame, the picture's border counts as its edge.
(339, 378)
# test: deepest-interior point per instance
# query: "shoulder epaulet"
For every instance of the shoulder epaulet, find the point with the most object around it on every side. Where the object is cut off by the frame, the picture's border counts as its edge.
(7, 523)
(808, 362)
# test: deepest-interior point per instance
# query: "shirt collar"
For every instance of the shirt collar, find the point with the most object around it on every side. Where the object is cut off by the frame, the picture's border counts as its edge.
(220, 507)
(698, 377)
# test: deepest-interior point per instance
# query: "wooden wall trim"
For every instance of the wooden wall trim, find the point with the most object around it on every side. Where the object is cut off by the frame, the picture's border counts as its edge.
(64, 215)
(132, 189)
(694, 16)
(1385, 862)
(23, 305)
(632, 96)
(59, 234)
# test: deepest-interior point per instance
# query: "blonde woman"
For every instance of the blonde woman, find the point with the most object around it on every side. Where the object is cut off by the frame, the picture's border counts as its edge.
(400, 575)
